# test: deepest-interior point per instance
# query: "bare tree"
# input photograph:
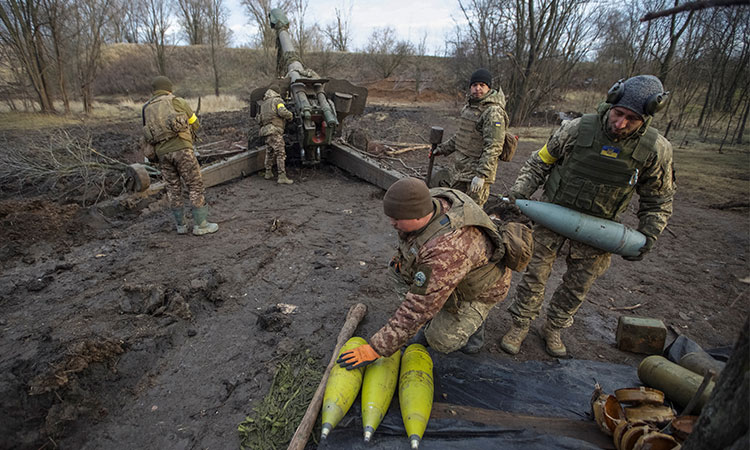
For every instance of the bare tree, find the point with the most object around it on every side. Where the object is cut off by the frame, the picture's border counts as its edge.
(419, 64)
(386, 51)
(258, 11)
(219, 36)
(90, 18)
(338, 31)
(156, 24)
(56, 16)
(21, 30)
(194, 20)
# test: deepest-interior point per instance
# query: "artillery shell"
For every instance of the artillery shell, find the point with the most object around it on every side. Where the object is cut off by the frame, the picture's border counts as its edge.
(341, 390)
(415, 391)
(378, 387)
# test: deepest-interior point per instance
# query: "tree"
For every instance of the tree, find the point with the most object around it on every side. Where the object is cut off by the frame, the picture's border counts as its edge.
(386, 52)
(194, 20)
(219, 36)
(57, 15)
(156, 25)
(338, 31)
(258, 11)
(90, 17)
(22, 30)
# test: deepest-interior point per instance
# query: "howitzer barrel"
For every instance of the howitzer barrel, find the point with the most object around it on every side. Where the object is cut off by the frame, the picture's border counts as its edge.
(604, 234)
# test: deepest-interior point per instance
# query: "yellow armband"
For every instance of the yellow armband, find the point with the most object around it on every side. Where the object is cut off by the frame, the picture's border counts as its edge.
(192, 119)
(545, 156)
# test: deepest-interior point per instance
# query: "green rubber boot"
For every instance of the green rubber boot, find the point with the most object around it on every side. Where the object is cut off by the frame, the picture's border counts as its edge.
(179, 218)
(201, 224)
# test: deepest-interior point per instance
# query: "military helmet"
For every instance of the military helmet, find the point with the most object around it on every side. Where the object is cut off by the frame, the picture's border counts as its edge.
(161, 83)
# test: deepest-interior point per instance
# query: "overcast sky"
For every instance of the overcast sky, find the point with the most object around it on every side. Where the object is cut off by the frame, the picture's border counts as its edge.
(410, 18)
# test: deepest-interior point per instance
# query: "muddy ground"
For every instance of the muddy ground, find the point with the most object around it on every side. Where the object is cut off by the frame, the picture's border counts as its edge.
(117, 333)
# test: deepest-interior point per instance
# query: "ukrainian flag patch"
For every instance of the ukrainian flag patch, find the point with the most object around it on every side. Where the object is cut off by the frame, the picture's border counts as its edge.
(609, 151)
(498, 124)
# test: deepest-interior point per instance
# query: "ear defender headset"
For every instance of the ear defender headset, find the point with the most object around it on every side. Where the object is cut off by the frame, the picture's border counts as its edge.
(654, 103)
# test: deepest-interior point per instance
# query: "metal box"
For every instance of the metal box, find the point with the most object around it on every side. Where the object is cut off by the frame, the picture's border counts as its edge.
(641, 335)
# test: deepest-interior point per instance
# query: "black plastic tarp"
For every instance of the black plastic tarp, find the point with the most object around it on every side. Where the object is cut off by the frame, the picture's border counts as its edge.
(558, 389)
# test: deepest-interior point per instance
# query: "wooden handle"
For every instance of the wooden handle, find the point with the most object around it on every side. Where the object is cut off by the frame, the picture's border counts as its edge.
(353, 318)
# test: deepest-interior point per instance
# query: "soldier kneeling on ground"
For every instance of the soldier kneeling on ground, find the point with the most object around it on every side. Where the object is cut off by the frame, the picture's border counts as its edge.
(452, 267)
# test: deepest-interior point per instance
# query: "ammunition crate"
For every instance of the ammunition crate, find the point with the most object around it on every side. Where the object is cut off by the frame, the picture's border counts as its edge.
(641, 335)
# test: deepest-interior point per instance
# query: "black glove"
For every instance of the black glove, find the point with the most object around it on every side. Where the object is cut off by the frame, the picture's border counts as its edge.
(645, 249)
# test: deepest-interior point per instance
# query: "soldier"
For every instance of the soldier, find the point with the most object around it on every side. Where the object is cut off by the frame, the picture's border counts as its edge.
(272, 117)
(449, 269)
(479, 140)
(593, 164)
(168, 124)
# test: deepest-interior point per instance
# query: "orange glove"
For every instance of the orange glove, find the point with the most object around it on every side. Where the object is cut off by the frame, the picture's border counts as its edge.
(359, 357)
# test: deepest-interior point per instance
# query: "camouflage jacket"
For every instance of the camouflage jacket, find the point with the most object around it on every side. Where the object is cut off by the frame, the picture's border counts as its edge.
(273, 114)
(483, 126)
(655, 185)
(184, 140)
(448, 258)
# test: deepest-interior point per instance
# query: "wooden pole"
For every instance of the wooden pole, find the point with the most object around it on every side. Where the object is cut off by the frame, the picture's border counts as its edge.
(353, 318)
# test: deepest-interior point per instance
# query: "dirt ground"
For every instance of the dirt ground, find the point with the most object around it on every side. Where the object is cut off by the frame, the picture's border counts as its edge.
(117, 333)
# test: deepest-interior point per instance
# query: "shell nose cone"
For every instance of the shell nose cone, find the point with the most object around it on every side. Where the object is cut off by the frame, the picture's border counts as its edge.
(325, 430)
(414, 442)
(368, 434)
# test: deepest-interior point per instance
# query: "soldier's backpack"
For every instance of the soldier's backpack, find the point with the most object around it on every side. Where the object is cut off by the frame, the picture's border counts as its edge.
(160, 120)
(509, 147)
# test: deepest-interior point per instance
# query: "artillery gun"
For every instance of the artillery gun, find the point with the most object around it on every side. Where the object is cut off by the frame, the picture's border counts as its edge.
(319, 104)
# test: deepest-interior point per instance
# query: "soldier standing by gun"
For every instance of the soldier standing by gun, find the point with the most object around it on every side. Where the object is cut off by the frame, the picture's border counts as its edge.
(594, 165)
(479, 141)
(168, 125)
(272, 118)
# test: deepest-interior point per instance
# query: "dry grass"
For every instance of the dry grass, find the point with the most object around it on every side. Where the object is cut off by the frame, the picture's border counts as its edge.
(124, 109)
(718, 177)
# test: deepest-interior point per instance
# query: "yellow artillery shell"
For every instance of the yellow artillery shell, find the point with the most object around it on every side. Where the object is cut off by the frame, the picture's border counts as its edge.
(341, 390)
(415, 391)
(378, 387)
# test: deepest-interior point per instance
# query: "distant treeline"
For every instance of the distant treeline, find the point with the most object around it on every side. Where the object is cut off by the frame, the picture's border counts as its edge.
(54, 51)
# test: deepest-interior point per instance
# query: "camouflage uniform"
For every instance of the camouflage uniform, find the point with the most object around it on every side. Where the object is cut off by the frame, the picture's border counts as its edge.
(177, 159)
(476, 146)
(448, 272)
(583, 168)
(273, 114)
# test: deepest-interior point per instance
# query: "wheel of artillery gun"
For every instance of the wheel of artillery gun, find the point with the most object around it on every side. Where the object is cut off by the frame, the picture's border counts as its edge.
(138, 178)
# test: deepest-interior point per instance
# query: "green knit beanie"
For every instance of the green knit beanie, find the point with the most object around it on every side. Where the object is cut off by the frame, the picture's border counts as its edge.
(407, 198)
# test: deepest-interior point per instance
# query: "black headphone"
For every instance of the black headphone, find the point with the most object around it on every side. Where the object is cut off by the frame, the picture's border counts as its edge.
(654, 103)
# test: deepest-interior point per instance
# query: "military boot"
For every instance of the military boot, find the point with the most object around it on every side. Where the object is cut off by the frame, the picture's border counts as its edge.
(283, 179)
(475, 342)
(179, 218)
(513, 339)
(554, 344)
(201, 224)
(269, 174)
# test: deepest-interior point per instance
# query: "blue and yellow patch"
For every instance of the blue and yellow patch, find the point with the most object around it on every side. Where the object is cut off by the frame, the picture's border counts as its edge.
(610, 152)
(498, 124)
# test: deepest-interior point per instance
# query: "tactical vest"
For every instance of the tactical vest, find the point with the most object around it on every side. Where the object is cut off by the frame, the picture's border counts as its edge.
(598, 177)
(162, 122)
(469, 140)
(463, 213)
(269, 116)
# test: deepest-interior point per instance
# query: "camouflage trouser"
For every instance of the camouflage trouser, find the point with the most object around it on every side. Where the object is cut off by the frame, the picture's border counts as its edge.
(451, 329)
(182, 165)
(584, 265)
(275, 153)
